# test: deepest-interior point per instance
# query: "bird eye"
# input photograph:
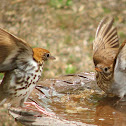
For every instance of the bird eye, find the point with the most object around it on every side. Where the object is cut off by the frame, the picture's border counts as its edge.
(47, 55)
(105, 69)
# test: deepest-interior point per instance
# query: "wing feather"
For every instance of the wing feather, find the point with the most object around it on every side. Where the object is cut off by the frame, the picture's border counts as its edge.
(104, 34)
(106, 39)
(13, 51)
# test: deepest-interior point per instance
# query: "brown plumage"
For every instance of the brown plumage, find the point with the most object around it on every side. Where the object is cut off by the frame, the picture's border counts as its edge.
(109, 59)
(22, 66)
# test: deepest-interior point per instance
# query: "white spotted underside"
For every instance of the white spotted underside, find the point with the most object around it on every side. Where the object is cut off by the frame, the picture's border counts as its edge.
(24, 81)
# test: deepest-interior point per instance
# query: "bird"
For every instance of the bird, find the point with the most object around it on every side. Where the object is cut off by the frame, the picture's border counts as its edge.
(22, 67)
(109, 59)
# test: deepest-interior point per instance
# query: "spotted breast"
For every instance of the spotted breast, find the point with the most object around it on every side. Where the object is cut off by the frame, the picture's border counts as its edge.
(18, 84)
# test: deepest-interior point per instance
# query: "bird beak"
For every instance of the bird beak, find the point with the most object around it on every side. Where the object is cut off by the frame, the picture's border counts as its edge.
(98, 69)
(52, 58)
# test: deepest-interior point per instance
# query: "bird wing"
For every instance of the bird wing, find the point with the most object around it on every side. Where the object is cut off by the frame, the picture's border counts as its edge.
(120, 61)
(13, 51)
(106, 43)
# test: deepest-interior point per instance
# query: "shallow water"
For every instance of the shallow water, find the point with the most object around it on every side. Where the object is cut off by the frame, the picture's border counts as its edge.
(101, 112)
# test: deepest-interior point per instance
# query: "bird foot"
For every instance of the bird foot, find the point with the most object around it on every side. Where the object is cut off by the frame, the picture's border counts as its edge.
(116, 103)
(119, 101)
(38, 108)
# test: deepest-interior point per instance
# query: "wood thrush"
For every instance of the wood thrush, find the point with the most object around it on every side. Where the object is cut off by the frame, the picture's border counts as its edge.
(109, 59)
(22, 66)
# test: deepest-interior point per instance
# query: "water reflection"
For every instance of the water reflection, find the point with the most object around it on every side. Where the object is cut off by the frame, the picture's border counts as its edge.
(108, 113)
(104, 112)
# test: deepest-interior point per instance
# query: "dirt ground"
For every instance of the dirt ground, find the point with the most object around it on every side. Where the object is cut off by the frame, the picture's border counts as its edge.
(65, 27)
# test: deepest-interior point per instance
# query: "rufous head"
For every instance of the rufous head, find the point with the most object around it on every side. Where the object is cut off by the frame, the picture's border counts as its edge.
(41, 55)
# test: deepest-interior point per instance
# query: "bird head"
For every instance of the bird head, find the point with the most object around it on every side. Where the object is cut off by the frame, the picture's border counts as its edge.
(41, 55)
(103, 64)
(103, 68)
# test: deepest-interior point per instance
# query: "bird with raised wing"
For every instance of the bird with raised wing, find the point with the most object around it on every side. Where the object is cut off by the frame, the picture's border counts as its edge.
(22, 67)
(109, 59)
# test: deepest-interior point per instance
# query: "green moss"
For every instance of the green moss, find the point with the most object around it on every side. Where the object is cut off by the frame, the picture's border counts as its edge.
(60, 3)
(1, 75)
(70, 69)
(122, 35)
(68, 40)
(106, 10)
(91, 39)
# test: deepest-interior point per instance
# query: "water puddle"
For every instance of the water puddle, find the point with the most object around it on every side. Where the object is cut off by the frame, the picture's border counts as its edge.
(103, 111)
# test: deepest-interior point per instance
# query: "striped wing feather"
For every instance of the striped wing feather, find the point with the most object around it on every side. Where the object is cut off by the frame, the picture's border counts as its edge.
(13, 51)
(106, 41)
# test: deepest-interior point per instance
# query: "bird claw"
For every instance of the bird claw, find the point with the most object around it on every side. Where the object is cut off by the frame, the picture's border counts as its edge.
(38, 108)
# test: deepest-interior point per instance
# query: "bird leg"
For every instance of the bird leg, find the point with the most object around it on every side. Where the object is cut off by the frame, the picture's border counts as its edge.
(38, 108)
(121, 99)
